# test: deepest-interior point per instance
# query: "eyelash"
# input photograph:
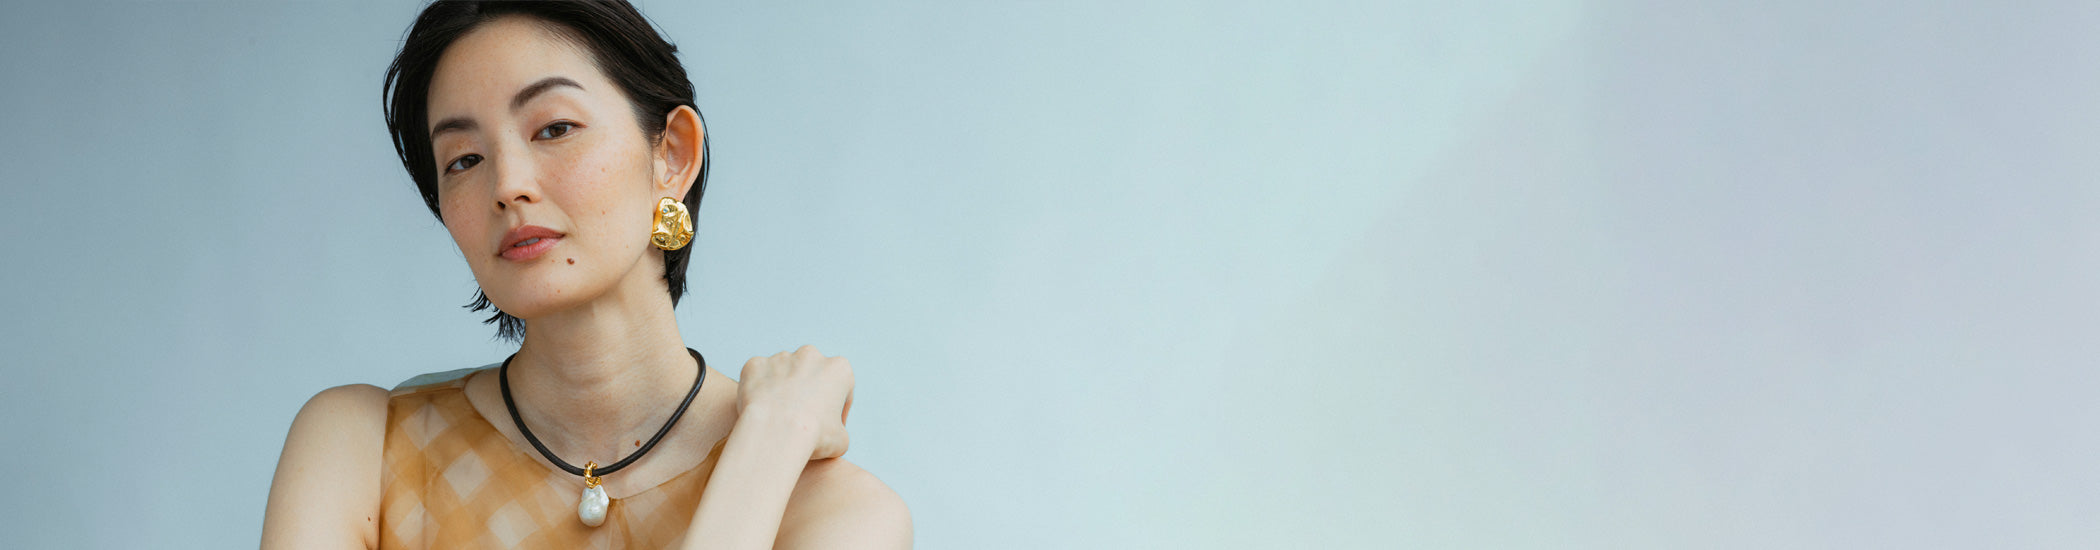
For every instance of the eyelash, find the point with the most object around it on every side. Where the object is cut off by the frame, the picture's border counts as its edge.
(569, 127)
(463, 158)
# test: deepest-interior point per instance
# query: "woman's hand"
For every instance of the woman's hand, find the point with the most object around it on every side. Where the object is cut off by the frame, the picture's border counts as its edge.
(766, 493)
(803, 393)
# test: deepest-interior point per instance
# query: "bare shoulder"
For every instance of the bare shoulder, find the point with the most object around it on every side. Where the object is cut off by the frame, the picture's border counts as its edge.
(326, 490)
(354, 402)
(837, 504)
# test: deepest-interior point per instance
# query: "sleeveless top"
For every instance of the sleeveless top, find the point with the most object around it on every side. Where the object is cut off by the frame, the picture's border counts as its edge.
(450, 480)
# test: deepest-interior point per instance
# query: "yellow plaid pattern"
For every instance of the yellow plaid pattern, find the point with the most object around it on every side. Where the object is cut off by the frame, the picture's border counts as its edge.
(452, 481)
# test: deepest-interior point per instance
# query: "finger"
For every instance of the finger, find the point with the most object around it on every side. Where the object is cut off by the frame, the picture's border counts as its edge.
(849, 406)
(830, 449)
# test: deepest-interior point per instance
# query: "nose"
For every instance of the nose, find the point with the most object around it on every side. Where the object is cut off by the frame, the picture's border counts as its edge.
(517, 181)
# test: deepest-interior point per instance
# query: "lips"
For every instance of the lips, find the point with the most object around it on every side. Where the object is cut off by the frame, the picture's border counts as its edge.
(528, 242)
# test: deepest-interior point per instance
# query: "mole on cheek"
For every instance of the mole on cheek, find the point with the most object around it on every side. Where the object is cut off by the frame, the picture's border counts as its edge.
(572, 261)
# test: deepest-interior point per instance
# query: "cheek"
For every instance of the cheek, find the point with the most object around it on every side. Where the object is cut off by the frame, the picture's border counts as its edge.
(465, 228)
(609, 195)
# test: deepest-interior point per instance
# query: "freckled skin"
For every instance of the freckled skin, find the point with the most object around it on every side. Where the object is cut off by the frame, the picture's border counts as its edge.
(591, 183)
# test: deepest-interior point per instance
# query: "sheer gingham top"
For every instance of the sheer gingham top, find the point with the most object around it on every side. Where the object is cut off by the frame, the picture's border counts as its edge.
(450, 480)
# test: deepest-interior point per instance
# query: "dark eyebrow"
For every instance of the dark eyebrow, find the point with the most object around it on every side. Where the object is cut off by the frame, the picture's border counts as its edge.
(536, 88)
(516, 102)
(451, 124)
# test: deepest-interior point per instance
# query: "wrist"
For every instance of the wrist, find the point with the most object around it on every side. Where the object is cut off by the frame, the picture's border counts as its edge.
(769, 427)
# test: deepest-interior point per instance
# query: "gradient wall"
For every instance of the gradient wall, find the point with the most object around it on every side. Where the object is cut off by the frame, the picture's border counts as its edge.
(1154, 274)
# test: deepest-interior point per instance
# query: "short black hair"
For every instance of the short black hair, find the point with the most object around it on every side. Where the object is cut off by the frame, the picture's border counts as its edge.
(626, 47)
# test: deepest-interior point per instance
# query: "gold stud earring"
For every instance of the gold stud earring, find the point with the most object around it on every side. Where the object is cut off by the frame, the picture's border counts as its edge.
(673, 225)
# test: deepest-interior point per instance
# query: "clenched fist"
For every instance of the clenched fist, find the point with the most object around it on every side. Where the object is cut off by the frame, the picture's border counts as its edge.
(804, 393)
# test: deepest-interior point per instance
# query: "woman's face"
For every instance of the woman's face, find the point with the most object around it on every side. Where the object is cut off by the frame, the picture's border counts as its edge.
(528, 132)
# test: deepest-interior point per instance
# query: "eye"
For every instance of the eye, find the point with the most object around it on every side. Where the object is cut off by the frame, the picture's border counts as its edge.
(462, 163)
(556, 130)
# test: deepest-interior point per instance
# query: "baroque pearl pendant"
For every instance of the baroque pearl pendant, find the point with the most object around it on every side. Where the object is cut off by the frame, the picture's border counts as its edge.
(591, 508)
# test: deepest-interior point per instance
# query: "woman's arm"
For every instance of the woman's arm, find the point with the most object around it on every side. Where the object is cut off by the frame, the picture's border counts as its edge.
(766, 492)
(326, 491)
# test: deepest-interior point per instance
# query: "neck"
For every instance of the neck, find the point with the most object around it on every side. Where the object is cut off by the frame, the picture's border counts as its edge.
(595, 380)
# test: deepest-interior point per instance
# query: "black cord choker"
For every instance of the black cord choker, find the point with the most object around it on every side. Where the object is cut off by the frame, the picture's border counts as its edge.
(592, 507)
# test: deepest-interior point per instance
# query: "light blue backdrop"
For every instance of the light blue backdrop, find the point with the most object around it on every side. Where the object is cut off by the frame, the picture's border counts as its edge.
(1154, 274)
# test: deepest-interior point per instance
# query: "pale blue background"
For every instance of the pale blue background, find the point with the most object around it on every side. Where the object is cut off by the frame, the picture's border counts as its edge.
(1155, 274)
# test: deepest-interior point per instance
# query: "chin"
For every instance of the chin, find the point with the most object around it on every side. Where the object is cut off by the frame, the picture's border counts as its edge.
(528, 309)
(528, 296)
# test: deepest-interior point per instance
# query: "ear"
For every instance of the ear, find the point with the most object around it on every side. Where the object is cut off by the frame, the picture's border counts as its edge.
(679, 154)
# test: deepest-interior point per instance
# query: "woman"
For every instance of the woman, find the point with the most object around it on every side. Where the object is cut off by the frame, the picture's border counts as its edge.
(551, 140)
